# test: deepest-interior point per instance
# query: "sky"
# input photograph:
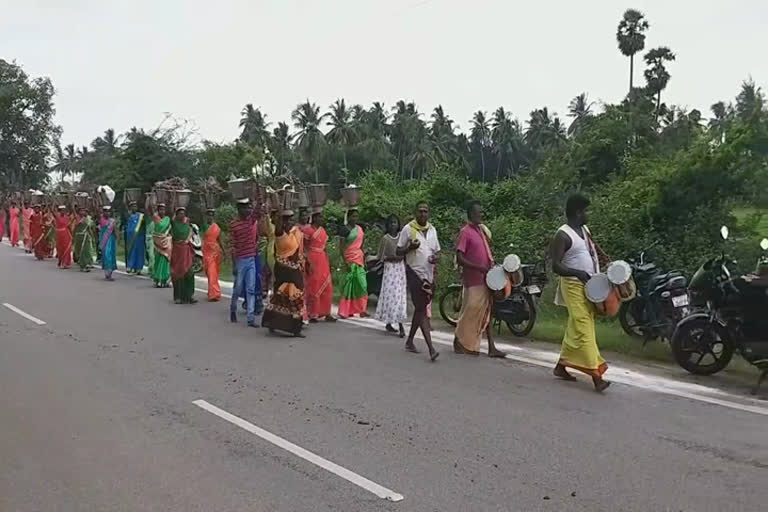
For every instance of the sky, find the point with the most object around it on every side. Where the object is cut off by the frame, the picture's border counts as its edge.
(128, 63)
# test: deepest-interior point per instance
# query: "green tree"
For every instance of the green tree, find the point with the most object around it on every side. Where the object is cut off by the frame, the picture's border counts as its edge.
(310, 141)
(27, 129)
(254, 127)
(280, 147)
(480, 138)
(580, 109)
(750, 100)
(631, 37)
(342, 132)
(656, 75)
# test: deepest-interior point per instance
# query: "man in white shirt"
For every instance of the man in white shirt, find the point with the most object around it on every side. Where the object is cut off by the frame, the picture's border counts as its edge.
(418, 242)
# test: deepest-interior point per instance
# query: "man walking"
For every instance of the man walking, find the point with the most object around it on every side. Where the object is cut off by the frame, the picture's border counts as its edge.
(243, 232)
(419, 244)
(473, 253)
(575, 259)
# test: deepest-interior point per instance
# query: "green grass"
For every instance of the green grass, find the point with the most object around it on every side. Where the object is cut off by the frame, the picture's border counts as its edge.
(744, 213)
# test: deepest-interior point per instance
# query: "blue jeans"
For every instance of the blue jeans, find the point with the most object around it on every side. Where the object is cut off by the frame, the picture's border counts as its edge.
(245, 286)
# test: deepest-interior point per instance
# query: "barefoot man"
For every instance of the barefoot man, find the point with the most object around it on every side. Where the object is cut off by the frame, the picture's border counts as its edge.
(473, 253)
(575, 259)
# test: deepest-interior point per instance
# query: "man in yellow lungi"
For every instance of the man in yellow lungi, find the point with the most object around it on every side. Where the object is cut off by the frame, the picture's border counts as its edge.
(575, 259)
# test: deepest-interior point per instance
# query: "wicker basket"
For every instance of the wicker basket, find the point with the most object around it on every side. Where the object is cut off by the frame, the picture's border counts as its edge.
(351, 196)
(131, 194)
(181, 198)
(318, 194)
(163, 196)
(240, 188)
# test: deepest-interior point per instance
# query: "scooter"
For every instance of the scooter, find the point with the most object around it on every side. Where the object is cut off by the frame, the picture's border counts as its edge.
(197, 246)
(735, 318)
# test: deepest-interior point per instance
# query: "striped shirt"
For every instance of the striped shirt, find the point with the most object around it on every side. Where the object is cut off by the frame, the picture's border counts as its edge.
(244, 237)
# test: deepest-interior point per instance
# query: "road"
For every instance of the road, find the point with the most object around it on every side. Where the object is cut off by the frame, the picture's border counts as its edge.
(101, 410)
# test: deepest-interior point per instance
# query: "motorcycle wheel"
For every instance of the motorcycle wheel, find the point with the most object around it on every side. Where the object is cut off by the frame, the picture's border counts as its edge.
(526, 326)
(701, 347)
(450, 305)
(197, 265)
(628, 322)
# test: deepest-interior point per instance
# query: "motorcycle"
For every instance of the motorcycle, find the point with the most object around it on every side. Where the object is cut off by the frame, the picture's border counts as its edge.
(735, 318)
(517, 311)
(197, 247)
(660, 303)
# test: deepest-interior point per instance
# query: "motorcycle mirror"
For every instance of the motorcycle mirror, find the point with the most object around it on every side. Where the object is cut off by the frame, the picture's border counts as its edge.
(764, 244)
(724, 232)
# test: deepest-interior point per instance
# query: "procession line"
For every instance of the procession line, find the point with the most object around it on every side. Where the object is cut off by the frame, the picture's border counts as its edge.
(23, 313)
(350, 476)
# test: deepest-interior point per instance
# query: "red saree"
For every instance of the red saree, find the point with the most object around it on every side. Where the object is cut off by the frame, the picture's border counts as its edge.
(319, 288)
(63, 241)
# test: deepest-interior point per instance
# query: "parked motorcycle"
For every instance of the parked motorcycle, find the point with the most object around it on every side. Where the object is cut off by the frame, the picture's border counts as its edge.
(517, 311)
(736, 318)
(197, 246)
(660, 303)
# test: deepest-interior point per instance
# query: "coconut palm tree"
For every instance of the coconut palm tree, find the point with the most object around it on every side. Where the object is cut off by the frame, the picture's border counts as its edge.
(656, 75)
(750, 100)
(580, 110)
(631, 37)
(106, 144)
(342, 132)
(406, 133)
(480, 137)
(310, 141)
(280, 146)
(254, 127)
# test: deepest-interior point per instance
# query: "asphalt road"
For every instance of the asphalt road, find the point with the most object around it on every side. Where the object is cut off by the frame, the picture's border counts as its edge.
(97, 414)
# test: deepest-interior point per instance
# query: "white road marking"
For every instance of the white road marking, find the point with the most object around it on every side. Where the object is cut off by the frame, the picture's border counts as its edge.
(23, 313)
(373, 487)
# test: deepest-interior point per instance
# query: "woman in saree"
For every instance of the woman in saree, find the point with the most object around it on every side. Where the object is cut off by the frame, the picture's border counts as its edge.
(212, 254)
(182, 257)
(392, 306)
(354, 290)
(285, 311)
(319, 292)
(163, 244)
(49, 226)
(26, 217)
(134, 237)
(84, 236)
(149, 244)
(13, 224)
(108, 243)
(63, 238)
(40, 224)
(2, 221)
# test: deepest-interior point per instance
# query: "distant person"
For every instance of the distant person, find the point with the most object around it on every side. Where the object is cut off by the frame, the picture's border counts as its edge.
(149, 242)
(134, 237)
(162, 241)
(3, 219)
(419, 244)
(83, 242)
(575, 259)
(392, 305)
(285, 311)
(182, 258)
(26, 215)
(243, 237)
(354, 289)
(474, 256)
(108, 243)
(212, 254)
(319, 284)
(13, 224)
(63, 238)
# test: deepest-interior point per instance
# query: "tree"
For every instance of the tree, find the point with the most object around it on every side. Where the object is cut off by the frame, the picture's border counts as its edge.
(27, 130)
(280, 146)
(310, 141)
(254, 127)
(580, 110)
(631, 37)
(480, 137)
(750, 100)
(342, 132)
(108, 143)
(656, 75)
(406, 132)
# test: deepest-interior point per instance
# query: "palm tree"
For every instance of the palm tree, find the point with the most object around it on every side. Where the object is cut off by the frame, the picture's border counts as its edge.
(280, 146)
(107, 143)
(722, 116)
(309, 140)
(656, 75)
(506, 142)
(342, 131)
(406, 132)
(631, 37)
(254, 127)
(480, 136)
(580, 110)
(442, 134)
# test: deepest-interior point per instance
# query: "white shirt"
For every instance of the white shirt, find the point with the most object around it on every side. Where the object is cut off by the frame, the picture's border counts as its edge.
(418, 259)
(582, 254)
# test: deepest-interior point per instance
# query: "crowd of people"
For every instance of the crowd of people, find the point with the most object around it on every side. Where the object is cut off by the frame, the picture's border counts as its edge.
(295, 274)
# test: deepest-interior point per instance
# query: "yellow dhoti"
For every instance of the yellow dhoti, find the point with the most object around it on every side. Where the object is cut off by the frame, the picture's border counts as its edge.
(579, 350)
(474, 317)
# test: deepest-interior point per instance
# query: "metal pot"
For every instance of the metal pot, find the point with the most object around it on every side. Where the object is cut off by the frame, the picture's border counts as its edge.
(181, 198)
(318, 194)
(351, 196)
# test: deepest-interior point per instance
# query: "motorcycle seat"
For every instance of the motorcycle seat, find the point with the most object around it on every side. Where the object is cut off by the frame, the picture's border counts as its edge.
(660, 278)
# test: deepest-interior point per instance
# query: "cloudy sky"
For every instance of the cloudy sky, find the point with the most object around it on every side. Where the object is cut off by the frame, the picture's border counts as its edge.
(123, 64)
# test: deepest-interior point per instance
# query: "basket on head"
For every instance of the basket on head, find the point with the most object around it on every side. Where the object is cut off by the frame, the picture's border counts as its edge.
(240, 188)
(351, 196)
(318, 194)
(27, 196)
(210, 198)
(182, 198)
(287, 198)
(131, 194)
(163, 196)
(81, 199)
(302, 197)
(103, 197)
(36, 198)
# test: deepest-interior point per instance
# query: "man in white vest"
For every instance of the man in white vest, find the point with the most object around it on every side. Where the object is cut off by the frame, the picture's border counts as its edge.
(575, 259)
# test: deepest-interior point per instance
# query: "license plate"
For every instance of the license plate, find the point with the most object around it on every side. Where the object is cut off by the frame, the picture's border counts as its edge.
(533, 289)
(680, 301)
